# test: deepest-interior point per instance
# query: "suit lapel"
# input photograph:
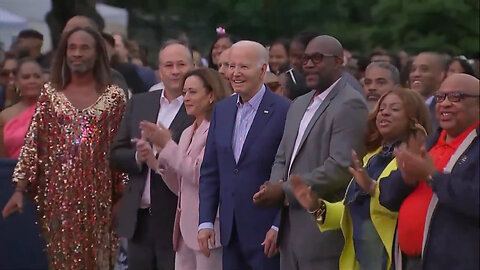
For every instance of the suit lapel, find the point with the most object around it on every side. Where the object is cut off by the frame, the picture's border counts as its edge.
(196, 140)
(186, 140)
(149, 111)
(263, 114)
(320, 111)
(231, 117)
(153, 107)
(296, 119)
(178, 123)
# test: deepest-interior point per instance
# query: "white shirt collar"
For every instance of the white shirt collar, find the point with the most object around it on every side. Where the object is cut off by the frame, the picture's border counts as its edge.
(325, 93)
(255, 100)
(164, 99)
(429, 101)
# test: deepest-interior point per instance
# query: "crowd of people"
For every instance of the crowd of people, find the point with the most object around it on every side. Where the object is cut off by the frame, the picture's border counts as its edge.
(288, 155)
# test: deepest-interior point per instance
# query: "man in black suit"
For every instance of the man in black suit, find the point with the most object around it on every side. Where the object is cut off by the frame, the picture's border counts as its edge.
(147, 211)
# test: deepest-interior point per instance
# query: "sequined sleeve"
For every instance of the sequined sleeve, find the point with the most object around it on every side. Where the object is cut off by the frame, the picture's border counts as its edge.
(26, 168)
(119, 179)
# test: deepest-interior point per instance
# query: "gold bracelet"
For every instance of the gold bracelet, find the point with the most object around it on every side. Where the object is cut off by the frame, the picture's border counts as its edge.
(319, 214)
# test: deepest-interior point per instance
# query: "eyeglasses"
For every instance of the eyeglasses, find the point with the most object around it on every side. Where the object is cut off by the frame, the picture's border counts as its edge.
(7, 72)
(316, 58)
(455, 96)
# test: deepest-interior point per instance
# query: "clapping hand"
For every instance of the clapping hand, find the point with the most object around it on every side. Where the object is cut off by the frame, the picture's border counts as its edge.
(304, 194)
(144, 151)
(414, 163)
(269, 194)
(156, 133)
(361, 176)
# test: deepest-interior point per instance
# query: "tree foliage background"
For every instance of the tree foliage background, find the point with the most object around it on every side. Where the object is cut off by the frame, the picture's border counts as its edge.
(412, 25)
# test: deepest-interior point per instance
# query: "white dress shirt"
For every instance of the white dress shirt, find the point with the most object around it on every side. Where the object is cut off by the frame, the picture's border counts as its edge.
(307, 117)
(429, 101)
(156, 87)
(166, 114)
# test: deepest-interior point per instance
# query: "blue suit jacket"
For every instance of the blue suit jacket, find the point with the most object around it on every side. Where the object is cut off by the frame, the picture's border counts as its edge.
(230, 185)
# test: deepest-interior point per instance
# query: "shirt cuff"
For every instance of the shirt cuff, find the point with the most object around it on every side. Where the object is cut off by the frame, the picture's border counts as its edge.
(139, 164)
(275, 228)
(205, 225)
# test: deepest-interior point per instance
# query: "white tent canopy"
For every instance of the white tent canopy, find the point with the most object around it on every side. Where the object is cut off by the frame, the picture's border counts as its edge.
(10, 25)
(17, 15)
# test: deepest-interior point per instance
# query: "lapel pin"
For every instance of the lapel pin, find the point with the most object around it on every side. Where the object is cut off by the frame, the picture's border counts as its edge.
(265, 112)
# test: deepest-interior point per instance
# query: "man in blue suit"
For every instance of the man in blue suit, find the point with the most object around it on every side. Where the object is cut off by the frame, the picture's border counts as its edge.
(244, 135)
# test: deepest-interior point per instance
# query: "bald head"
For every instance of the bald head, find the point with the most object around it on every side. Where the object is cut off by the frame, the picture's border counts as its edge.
(437, 61)
(461, 82)
(256, 49)
(427, 73)
(458, 112)
(328, 45)
(322, 62)
(79, 21)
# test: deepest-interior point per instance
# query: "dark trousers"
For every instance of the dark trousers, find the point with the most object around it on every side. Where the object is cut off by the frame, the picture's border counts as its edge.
(238, 256)
(143, 251)
(411, 262)
(292, 260)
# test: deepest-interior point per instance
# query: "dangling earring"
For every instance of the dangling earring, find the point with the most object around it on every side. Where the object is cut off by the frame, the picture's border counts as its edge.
(211, 101)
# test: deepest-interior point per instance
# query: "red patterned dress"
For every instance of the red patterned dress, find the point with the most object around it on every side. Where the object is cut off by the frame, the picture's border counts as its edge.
(65, 161)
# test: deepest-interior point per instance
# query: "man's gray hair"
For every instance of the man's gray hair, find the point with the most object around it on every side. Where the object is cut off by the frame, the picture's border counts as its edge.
(394, 73)
(262, 51)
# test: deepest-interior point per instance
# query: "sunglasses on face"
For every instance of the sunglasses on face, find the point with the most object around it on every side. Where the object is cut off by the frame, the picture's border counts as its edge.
(7, 72)
(316, 58)
(455, 96)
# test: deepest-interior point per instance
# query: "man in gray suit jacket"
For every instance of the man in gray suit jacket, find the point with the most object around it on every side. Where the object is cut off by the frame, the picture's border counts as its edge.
(322, 128)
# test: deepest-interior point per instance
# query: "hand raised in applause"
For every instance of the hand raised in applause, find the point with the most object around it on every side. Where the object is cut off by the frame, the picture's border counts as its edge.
(366, 183)
(144, 151)
(304, 193)
(269, 194)
(156, 133)
(413, 161)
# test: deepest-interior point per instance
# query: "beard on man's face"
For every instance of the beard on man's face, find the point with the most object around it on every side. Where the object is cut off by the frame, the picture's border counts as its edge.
(82, 68)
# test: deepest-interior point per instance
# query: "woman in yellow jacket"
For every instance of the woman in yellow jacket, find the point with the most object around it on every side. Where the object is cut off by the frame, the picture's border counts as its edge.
(368, 227)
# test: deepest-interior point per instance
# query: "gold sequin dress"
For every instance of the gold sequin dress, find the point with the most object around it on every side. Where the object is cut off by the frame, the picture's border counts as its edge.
(65, 161)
